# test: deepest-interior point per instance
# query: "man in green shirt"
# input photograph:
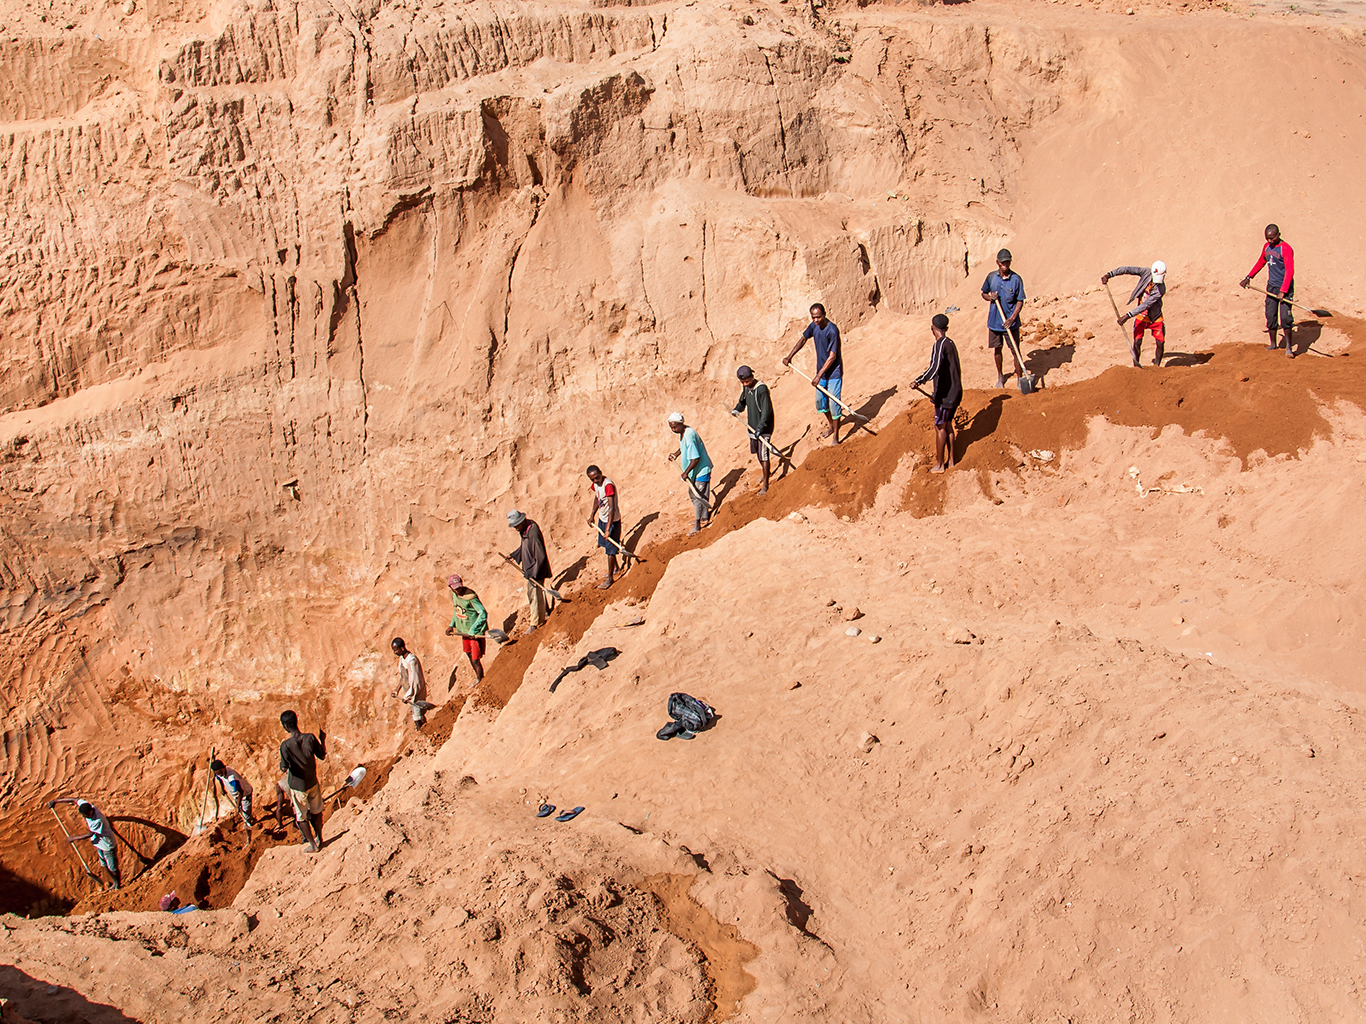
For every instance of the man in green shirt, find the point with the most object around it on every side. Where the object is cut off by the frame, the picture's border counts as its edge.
(470, 620)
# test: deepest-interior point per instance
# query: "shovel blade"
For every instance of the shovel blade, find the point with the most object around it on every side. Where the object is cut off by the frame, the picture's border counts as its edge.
(355, 778)
(1026, 385)
(498, 635)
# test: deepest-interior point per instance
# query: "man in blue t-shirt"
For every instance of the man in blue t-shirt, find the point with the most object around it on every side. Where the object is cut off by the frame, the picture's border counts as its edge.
(1007, 288)
(696, 469)
(829, 368)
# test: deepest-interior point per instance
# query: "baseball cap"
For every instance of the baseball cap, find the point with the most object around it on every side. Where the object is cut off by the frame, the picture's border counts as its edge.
(1159, 271)
(1003, 256)
(454, 581)
(744, 373)
(675, 417)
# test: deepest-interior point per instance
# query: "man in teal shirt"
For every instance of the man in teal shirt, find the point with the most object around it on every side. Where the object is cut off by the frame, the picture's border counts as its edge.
(471, 621)
(696, 469)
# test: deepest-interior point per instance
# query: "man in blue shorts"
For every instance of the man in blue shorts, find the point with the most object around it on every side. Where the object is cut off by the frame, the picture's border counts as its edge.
(825, 336)
(948, 391)
(605, 517)
(1006, 287)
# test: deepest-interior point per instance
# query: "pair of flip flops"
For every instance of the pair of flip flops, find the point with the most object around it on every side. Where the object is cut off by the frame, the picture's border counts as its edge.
(546, 810)
(672, 729)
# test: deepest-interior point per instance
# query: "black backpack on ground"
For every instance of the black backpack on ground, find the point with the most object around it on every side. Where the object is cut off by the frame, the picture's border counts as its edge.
(690, 716)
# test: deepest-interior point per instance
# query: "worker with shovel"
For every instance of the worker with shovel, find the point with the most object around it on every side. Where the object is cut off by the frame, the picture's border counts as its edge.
(829, 377)
(470, 620)
(947, 375)
(1004, 293)
(299, 755)
(605, 518)
(99, 832)
(237, 788)
(696, 469)
(1147, 315)
(412, 684)
(534, 563)
(757, 405)
(1279, 260)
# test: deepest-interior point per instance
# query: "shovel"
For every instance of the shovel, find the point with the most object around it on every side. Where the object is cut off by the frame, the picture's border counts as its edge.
(840, 403)
(73, 847)
(548, 591)
(1027, 380)
(1115, 307)
(352, 781)
(1307, 309)
(621, 550)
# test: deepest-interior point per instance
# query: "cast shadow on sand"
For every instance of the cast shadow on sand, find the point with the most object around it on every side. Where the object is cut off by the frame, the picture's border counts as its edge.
(41, 1000)
(1041, 360)
(874, 405)
(571, 574)
(1305, 335)
(983, 424)
(727, 485)
(1187, 358)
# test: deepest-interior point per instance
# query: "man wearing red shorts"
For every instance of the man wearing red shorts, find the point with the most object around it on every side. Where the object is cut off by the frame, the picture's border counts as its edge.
(1147, 315)
(471, 621)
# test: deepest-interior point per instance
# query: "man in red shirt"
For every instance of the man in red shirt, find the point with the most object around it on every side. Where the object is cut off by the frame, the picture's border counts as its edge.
(1279, 260)
(605, 518)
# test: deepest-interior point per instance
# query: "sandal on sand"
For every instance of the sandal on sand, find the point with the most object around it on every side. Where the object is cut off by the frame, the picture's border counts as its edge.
(604, 584)
(569, 815)
(546, 811)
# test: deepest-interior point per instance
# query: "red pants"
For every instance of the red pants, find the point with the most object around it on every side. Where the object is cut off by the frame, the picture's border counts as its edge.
(1142, 323)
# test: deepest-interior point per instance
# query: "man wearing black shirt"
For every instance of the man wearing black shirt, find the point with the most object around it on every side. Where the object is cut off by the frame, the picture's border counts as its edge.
(298, 757)
(948, 391)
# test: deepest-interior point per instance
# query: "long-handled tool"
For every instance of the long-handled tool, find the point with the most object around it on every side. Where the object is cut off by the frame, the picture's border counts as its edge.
(1307, 309)
(1115, 306)
(352, 781)
(763, 441)
(621, 548)
(548, 591)
(69, 843)
(840, 403)
(692, 489)
(1027, 380)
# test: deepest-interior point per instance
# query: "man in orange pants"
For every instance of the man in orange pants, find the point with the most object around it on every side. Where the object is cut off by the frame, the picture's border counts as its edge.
(1147, 315)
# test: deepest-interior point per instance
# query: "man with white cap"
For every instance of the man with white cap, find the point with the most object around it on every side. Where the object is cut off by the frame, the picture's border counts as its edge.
(696, 469)
(470, 619)
(99, 832)
(535, 565)
(1147, 315)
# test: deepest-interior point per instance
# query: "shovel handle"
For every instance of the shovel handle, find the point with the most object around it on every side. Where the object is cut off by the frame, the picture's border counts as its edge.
(77, 852)
(1297, 305)
(842, 403)
(1010, 337)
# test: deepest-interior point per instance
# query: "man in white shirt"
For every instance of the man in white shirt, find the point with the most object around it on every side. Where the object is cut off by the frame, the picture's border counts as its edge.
(412, 686)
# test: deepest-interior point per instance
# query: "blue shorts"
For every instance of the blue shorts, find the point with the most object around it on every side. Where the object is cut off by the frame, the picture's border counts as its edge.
(612, 547)
(833, 385)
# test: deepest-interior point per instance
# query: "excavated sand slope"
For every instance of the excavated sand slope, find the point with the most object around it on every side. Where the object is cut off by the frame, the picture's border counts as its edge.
(300, 298)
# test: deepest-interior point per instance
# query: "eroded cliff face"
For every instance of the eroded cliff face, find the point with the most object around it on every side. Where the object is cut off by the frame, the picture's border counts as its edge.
(414, 259)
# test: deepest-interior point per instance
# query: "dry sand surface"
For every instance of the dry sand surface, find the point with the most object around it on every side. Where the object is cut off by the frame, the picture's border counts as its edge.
(299, 298)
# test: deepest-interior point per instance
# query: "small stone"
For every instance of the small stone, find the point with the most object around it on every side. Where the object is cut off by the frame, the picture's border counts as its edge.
(851, 614)
(874, 639)
(796, 517)
(852, 631)
(1104, 758)
(867, 741)
(129, 8)
(794, 685)
(1177, 620)
(830, 603)
(1308, 751)
(958, 635)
